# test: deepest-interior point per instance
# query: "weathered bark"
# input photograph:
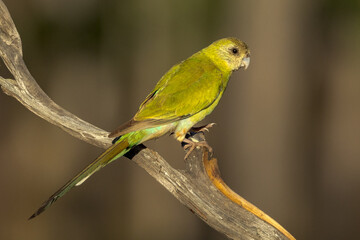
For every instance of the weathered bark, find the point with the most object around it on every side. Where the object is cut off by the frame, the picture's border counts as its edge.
(199, 186)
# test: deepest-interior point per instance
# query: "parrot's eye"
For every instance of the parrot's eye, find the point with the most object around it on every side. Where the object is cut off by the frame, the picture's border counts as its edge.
(234, 51)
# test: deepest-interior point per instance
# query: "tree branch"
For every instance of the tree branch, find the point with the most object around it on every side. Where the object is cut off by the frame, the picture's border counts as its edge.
(199, 186)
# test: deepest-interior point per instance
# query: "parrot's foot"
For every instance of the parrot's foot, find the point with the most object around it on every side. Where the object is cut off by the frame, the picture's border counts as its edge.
(202, 128)
(191, 145)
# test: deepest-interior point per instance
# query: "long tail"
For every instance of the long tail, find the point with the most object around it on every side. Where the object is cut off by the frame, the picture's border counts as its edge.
(117, 150)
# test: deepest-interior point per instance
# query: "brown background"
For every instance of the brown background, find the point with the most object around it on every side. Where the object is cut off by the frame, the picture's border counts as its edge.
(287, 134)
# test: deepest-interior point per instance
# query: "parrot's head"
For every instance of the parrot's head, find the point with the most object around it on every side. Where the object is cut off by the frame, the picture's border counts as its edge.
(229, 54)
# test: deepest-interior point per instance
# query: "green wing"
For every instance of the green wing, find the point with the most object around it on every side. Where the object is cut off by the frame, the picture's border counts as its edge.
(186, 89)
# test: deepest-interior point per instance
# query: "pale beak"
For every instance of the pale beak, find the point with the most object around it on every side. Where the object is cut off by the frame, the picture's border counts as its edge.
(245, 62)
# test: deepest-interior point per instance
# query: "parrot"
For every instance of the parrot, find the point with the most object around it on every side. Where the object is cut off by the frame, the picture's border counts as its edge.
(185, 95)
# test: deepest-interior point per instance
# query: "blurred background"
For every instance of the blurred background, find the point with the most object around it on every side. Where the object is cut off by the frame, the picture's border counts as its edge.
(287, 136)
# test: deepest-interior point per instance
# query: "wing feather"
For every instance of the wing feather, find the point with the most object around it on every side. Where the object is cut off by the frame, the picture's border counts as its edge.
(186, 89)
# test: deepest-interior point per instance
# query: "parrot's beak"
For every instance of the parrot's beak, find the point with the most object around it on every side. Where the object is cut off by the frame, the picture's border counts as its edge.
(245, 62)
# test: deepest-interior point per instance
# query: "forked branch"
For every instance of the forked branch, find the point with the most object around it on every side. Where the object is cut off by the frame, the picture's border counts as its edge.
(199, 186)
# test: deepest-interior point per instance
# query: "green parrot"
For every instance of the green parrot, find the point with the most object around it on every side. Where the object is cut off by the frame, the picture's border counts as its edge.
(187, 93)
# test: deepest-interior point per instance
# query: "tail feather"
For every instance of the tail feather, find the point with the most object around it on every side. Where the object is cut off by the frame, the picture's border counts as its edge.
(115, 151)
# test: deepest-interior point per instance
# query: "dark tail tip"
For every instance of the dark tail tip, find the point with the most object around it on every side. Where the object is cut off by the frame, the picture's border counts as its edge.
(43, 207)
(32, 216)
(38, 212)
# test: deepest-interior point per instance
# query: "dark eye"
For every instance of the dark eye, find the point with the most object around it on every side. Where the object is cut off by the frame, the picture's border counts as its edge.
(234, 50)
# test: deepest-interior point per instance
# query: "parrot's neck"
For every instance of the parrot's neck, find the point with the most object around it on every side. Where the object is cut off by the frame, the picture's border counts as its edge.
(217, 59)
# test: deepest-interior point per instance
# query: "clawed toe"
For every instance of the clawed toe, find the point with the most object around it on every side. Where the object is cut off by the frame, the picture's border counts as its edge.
(202, 128)
(191, 145)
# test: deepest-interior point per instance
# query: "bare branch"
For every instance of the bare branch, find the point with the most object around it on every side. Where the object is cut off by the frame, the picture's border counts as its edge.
(199, 186)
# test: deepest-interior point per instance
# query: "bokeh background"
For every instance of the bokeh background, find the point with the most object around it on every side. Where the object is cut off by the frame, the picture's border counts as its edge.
(287, 134)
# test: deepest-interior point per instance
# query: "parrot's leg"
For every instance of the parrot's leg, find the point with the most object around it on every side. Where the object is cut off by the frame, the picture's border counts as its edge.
(191, 145)
(202, 128)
